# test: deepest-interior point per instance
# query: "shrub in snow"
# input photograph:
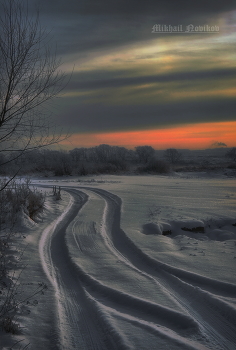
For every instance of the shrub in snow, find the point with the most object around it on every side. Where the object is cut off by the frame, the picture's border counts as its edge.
(16, 200)
(232, 154)
(155, 166)
(197, 229)
(172, 155)
(145, 153)
(82, 171)
(35, 203)
(56, 192)
(18, 197)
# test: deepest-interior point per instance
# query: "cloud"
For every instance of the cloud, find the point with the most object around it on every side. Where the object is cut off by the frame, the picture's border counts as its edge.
(95, 80)
(218, 144)
(103, 118)
(131, 7)
(117, 56)
(91, 24)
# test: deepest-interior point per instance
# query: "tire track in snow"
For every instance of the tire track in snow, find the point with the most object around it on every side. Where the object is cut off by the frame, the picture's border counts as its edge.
(169, 325)
(215, 318)
(81, 325)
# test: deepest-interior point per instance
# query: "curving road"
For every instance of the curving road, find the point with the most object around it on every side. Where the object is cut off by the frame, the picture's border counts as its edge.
(101, 310)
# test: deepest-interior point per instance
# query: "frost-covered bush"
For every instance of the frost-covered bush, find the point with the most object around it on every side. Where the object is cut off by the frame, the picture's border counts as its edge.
(82, 171)
(155, 166)
(15, 198)
(172, 155)
(18, 197)
(145, 153)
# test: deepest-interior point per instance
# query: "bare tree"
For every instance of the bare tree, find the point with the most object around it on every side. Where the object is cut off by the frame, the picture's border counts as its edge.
(172, 155)
(145, 153)
(231, 154)
(29, 77)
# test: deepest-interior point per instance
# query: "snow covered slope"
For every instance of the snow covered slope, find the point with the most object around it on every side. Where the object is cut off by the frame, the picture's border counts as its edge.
(144, 262)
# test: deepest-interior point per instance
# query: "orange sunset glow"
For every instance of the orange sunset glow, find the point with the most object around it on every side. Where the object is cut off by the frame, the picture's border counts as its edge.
(194, 136)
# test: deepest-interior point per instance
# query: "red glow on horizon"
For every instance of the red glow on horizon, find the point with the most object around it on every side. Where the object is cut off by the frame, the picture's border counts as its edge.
(193, 136)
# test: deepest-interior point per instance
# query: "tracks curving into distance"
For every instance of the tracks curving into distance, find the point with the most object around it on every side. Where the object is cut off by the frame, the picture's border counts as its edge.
(94, 315)
(79, 322)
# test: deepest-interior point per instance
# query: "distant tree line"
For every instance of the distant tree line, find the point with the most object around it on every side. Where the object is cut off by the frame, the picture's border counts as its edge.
(102, 159)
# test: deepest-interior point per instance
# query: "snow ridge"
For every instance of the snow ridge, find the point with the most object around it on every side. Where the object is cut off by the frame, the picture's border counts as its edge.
(93, 315)
(216, 318)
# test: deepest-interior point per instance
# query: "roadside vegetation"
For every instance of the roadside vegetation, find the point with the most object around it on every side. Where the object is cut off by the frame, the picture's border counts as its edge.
(30, 77)
(18, 201)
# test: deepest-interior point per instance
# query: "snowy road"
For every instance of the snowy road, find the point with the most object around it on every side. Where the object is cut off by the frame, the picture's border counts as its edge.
(111, 294)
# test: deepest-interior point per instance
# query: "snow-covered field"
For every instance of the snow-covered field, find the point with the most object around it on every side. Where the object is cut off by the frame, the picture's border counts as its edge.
(133, 262)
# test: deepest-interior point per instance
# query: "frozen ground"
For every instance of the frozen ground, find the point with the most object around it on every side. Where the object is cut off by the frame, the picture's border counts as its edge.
(134, 262)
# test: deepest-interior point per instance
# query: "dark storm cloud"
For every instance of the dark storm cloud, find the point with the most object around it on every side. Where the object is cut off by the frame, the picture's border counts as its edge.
(114, 7)
(104, 118)
(83, 81)
(79, 26)
(77, 33)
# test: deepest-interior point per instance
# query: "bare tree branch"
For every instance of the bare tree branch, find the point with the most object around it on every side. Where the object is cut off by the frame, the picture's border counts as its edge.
(29, 77)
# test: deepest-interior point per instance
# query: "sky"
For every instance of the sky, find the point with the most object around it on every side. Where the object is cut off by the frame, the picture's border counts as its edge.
(159, 73)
